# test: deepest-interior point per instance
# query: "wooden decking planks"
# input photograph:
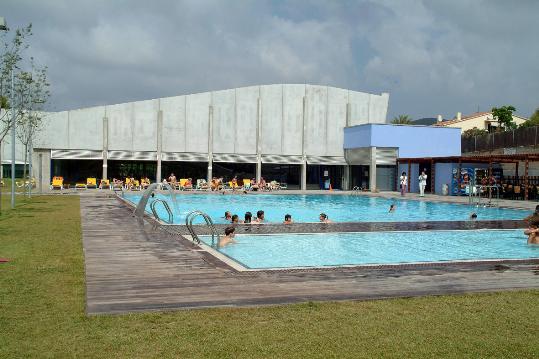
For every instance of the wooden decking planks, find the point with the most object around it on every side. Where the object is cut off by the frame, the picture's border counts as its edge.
(130, 268)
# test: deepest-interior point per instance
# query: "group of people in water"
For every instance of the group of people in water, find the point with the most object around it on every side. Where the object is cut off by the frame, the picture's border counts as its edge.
(260, 218)
(234, 219)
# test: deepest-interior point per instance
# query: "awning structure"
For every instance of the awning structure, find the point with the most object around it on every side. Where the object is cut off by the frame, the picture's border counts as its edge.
(76, 155)
(132, 156)
(184, 156)
(234, 158)
(326, 160)
(282, 159)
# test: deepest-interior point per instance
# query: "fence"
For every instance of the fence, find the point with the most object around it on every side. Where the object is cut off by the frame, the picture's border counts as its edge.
(508, 139)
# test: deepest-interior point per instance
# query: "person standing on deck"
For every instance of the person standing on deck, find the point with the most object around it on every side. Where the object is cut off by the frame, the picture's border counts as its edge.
(422, 183)
(403, 183)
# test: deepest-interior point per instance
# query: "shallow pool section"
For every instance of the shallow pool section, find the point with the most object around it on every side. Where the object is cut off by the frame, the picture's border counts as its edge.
(339, 208)
(338, 249)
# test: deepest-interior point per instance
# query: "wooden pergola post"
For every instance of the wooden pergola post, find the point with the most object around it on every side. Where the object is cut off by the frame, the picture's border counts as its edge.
(526, 166)
(432, 176)
(516, 173)
(409, 174)
(458, 176)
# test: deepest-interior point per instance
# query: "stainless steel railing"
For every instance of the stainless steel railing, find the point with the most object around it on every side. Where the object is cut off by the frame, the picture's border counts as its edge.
(189, 223)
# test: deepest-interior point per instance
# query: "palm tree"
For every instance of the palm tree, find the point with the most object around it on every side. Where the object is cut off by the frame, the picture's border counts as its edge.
(402, 120)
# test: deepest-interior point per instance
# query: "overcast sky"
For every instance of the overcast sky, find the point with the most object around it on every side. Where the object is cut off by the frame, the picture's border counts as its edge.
(431, 56)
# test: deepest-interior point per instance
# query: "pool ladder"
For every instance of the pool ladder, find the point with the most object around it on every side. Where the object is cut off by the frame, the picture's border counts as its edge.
(189, 223)
(167, 208)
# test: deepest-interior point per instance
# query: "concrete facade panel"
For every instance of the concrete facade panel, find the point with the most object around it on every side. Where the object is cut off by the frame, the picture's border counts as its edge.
(86, 128)
(246, 119)
(378, 108)
(197, 122)
(173, 134)
(336, 121)
(293, 119)
(55, 131)
(120, 127)
(315, 120)
(224, 121)
(271, 97)
(145, 125)
(359, 107)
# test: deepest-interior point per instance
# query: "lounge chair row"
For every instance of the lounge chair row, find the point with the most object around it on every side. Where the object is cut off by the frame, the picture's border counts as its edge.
(184, 184)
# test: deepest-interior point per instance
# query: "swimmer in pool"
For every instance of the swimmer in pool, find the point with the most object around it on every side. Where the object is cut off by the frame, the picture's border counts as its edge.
(288, 219)
(392, 208)
(228, 238)
(324, 218)
(473, 216)
(532, 234)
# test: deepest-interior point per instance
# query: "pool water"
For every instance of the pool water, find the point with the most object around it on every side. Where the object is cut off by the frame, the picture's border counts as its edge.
(339, 208)
(337, 249)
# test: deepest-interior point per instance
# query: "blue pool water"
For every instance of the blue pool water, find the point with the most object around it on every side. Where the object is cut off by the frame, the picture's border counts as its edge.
(334, 249)
(340, 208)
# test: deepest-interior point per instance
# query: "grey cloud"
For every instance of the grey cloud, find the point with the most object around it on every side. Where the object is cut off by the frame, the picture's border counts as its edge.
(432, 56)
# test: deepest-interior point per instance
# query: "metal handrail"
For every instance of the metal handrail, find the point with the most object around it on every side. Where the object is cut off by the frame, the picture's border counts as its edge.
(189, 223)
(478, 189)
(167, 208)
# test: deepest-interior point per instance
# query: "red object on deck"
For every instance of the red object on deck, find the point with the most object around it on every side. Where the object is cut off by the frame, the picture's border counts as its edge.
(4, 260)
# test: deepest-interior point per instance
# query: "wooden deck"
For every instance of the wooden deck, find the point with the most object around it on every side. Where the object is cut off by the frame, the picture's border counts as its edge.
(131, 268)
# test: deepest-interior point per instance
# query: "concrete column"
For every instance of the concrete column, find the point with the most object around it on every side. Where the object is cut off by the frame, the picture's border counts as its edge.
(258, 146)
(304, 175)
(41, 159)
(304, 162)
(258, 168)
(105, 147)
(372, 170)
(346, 178)
(159, 145)
(210, 143)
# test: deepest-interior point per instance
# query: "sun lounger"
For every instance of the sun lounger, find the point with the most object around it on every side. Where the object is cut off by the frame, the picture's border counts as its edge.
(80, 185)
(144, 183)
(105, 184)
(202, 185)
(57, 183)
(183, 182)
(135, 185)
(91, 182)
(127, 183)
(116, 185)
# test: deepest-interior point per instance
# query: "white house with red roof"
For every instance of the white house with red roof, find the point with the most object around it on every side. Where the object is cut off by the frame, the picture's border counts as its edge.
(480, 120)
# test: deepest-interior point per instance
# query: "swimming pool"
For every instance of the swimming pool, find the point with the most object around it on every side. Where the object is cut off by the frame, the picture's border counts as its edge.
(340, 208)
(338, 249)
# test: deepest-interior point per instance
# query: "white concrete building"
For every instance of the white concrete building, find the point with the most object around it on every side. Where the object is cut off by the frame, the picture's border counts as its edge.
(292, 133)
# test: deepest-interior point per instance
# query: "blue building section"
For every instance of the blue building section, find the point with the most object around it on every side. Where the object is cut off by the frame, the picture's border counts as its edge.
(411, 141)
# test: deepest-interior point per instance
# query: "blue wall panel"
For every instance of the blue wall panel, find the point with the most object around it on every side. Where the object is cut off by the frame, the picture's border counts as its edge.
(412, 141)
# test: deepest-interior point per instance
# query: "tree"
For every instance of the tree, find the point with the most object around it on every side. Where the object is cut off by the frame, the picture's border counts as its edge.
(532, 121)
(10, 60)
(504, 115)
(402, 120)
(472, 132)
(31, 94)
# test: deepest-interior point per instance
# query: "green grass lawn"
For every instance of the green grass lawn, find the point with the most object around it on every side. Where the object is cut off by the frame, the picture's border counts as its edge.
(42, 304)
